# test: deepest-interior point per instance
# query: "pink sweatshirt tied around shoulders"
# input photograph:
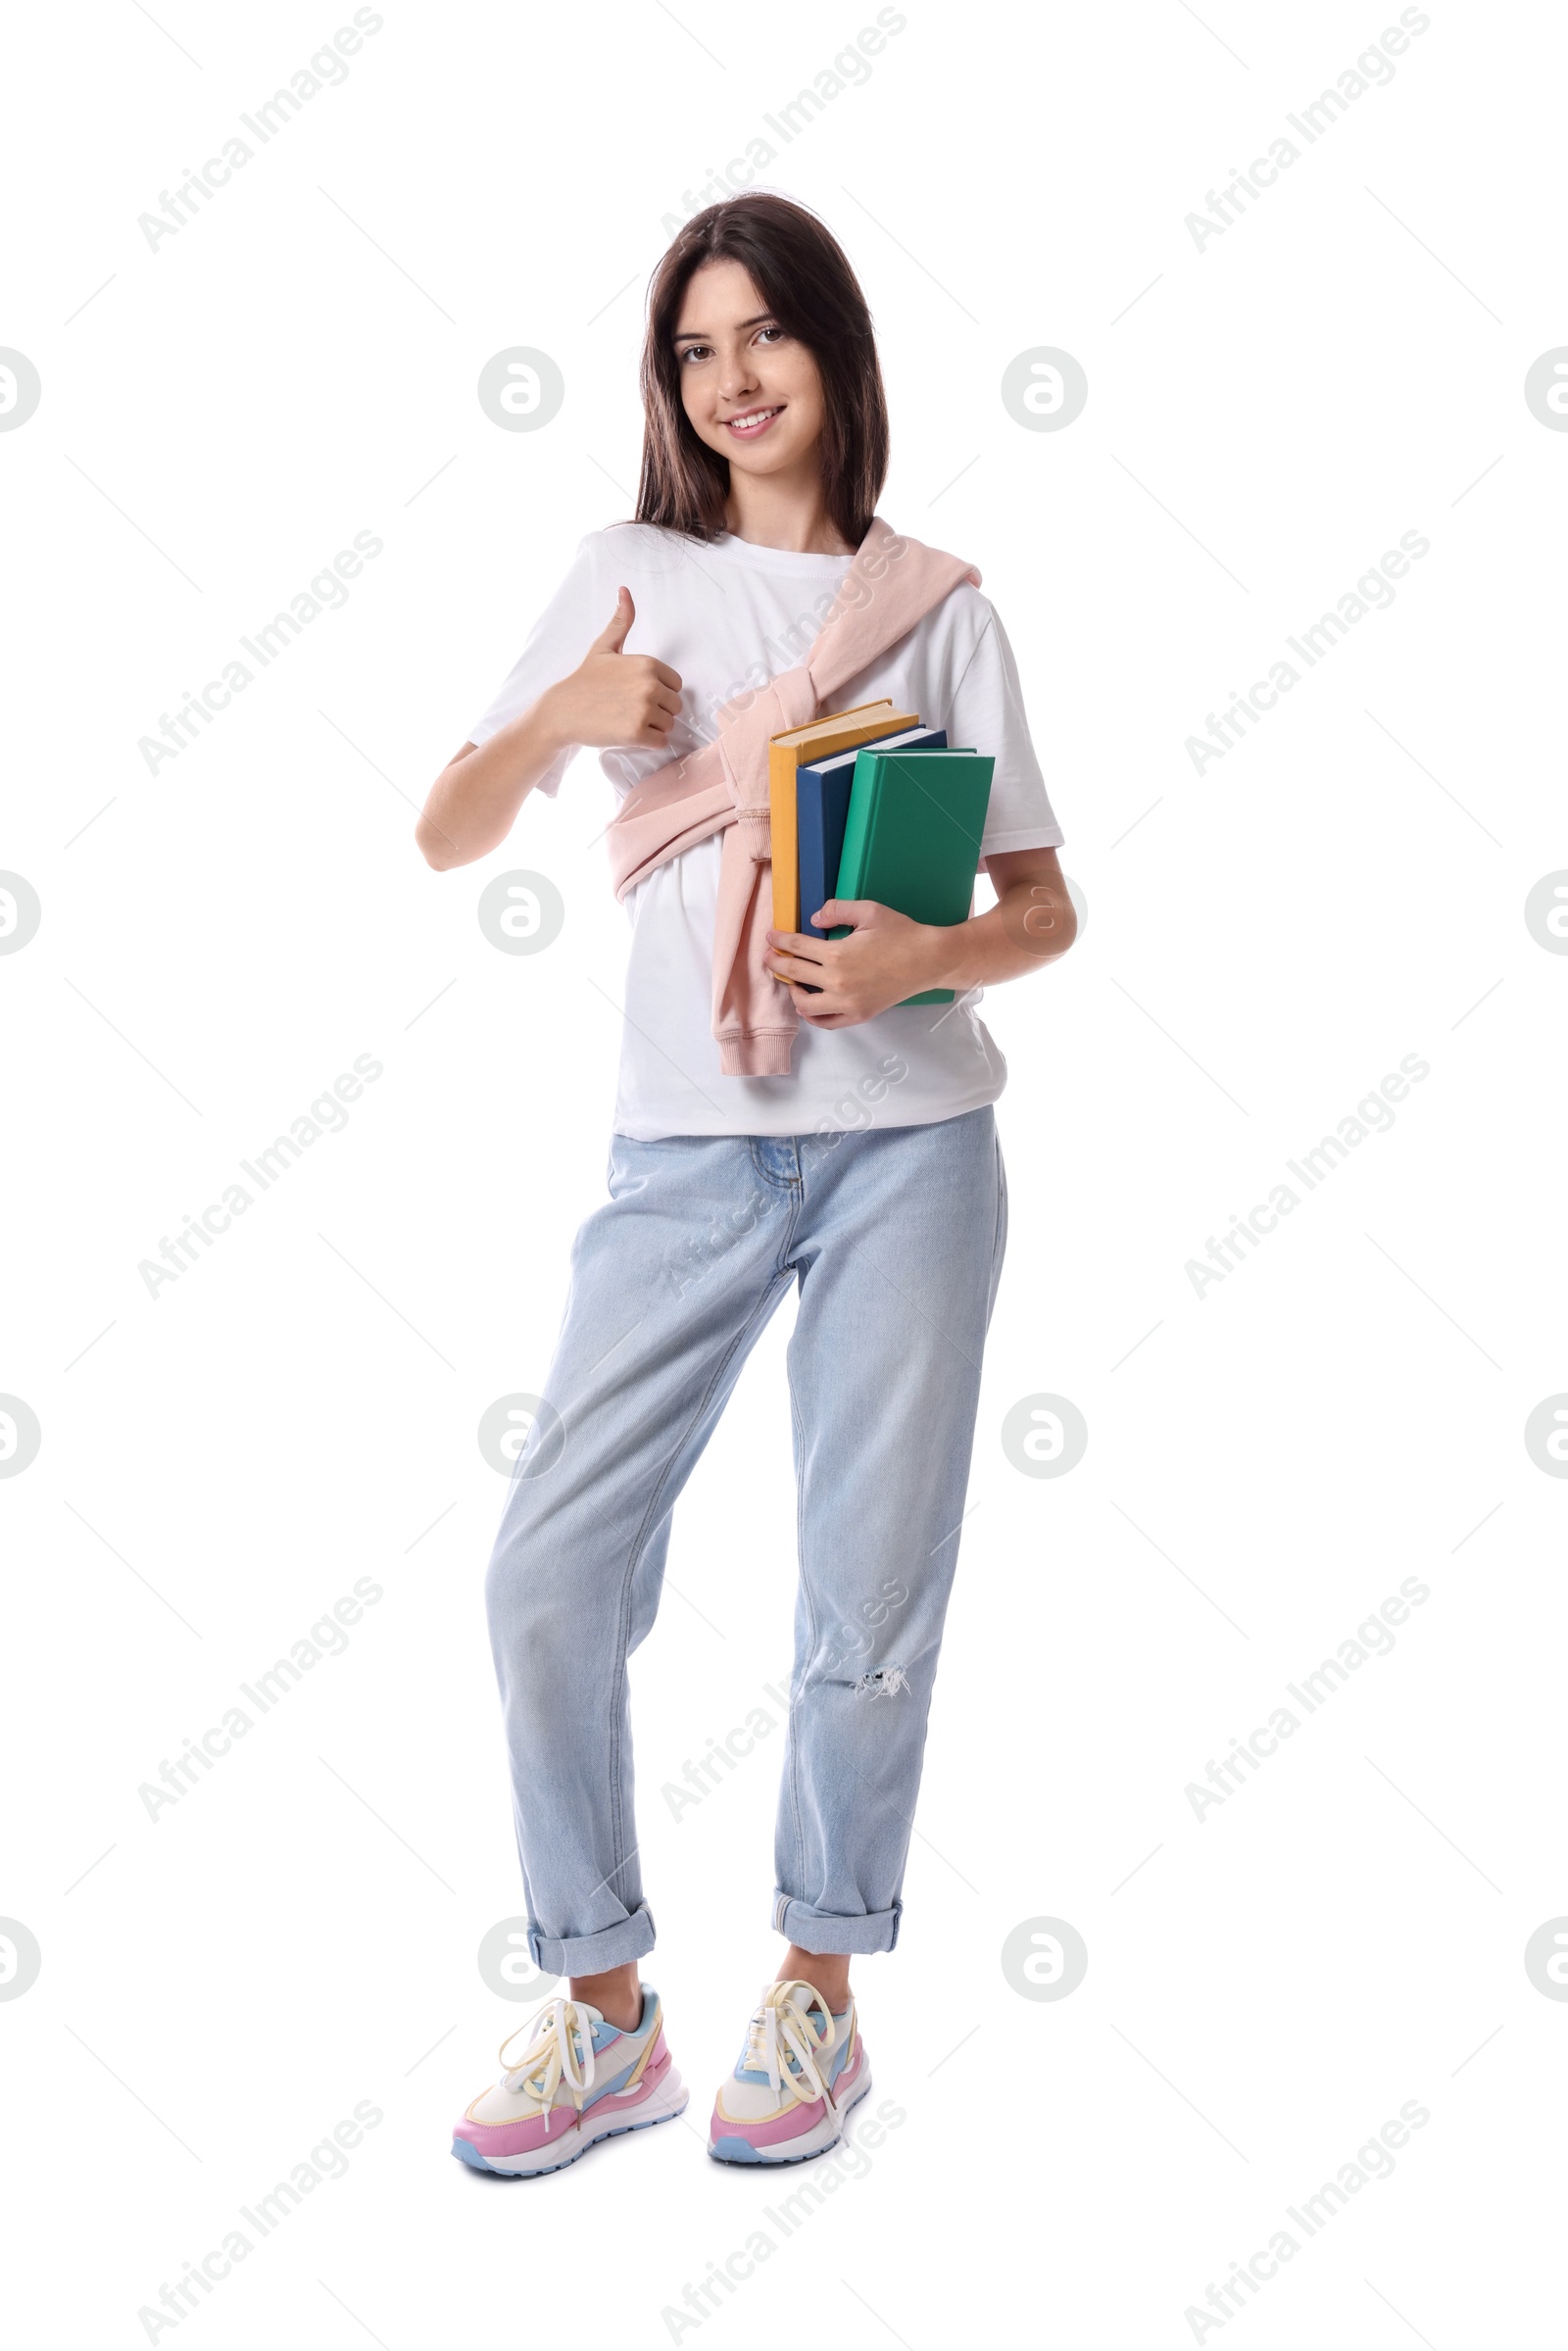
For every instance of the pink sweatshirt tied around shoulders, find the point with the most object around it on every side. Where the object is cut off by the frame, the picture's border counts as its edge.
(890, 585)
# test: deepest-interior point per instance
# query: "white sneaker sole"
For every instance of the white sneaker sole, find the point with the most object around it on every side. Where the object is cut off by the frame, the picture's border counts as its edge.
(827, 2133)
(661, 2106)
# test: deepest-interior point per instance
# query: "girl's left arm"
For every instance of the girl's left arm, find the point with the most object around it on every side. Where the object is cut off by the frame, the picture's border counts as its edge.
(887, 956)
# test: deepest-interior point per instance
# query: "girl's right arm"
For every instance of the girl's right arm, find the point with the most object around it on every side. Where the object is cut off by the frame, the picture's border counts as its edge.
(613, 698)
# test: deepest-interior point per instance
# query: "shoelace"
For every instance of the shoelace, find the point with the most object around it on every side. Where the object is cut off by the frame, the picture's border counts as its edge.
(560, 2049)
(782, 2018)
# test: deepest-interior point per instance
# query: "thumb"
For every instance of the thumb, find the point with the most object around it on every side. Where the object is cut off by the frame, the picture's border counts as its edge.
(856, 912)
(613, 638)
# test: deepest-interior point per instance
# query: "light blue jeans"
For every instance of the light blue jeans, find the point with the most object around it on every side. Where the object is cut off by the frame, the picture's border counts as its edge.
(894, 1237)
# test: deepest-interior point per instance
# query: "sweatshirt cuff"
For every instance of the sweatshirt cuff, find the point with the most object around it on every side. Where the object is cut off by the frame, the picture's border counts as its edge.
(756, 1054)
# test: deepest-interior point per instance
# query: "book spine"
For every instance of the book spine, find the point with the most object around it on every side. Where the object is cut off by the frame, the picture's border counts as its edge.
(810, 813)
(864, 793)
(835, 813)
(781, 767)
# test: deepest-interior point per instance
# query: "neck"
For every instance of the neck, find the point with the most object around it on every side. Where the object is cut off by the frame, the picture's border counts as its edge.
(786, 511)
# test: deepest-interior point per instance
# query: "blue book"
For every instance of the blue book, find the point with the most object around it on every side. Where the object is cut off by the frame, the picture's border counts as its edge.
(822, 807)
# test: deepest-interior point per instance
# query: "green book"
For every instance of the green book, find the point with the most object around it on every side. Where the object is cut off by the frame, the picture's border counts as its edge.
(912, 837)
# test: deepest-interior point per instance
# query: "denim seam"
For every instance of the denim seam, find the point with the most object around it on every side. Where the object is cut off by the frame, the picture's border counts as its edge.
(791, 1742)
(999, 1242)
(639, 1544)
(791, 1773)
(781, 1265)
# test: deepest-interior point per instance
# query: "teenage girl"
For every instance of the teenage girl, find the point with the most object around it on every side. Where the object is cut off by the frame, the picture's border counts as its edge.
(783, 1118)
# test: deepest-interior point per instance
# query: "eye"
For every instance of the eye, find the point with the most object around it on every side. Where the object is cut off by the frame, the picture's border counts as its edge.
(693, 351)
(777, 331)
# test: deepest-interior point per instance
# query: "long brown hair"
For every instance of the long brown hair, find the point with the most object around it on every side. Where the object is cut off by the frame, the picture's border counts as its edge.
(805, 279)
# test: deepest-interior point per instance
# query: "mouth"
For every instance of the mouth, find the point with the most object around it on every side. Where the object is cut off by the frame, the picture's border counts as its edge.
(752, 422)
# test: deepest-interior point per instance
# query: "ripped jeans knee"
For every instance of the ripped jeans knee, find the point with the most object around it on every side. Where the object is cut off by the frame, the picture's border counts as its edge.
(885, 1683)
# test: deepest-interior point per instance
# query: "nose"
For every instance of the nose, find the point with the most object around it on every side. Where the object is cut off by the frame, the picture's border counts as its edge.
(737, 376)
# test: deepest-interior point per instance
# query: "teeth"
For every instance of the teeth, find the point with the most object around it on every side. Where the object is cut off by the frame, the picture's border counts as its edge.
(752, 417)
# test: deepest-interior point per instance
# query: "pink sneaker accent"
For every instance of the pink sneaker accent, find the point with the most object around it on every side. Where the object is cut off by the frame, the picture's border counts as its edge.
(800, 2120)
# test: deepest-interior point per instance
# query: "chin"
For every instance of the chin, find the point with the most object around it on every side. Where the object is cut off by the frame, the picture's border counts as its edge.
(775, 458)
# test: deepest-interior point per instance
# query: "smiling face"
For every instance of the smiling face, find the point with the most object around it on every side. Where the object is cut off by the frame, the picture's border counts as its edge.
(750, 390)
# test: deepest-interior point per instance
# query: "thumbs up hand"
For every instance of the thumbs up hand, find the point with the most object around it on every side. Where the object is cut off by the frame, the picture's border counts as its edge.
(615, 697)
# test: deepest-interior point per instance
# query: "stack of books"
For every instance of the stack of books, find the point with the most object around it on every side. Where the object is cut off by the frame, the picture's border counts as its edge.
(869, 803)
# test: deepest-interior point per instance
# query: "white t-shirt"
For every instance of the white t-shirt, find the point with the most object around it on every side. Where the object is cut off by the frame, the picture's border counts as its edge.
(727, 616)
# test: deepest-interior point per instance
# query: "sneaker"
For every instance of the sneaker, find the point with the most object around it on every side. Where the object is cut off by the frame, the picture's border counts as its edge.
(577, 2081)
(801, 2071)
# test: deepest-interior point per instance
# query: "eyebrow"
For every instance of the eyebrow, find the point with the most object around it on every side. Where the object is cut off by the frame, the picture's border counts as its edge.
(693, 335)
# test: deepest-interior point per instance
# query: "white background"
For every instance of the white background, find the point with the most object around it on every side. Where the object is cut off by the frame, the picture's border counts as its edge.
(219, 1464)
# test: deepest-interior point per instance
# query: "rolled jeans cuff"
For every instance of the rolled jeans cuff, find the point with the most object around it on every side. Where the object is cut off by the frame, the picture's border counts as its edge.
(591, 1954)
(825, 1930)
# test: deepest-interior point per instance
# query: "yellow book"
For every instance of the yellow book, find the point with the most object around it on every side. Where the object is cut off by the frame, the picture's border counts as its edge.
(841, 730)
